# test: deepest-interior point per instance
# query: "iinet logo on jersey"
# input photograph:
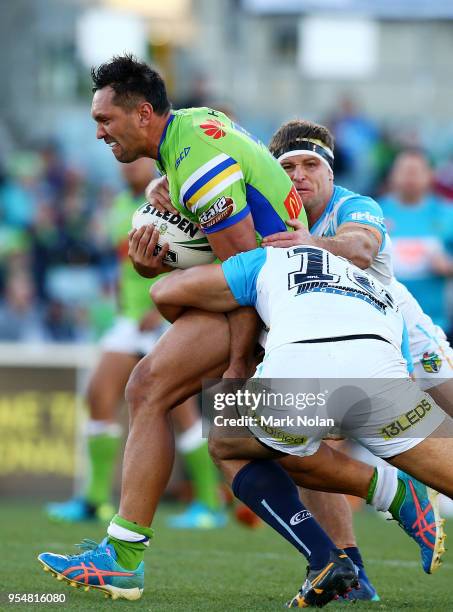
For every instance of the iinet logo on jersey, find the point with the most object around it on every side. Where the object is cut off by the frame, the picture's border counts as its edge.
(367, 216)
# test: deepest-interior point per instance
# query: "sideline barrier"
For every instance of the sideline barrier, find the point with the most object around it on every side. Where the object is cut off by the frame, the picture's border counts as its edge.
(41, 416)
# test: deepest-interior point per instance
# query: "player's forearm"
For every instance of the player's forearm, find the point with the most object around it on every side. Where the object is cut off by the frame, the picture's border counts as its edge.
(244, 329)
(148, 272)
(201, 287)
(356, 247)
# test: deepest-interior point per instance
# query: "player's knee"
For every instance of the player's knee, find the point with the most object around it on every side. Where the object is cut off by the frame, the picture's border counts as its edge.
(139, 389)
(147, 387)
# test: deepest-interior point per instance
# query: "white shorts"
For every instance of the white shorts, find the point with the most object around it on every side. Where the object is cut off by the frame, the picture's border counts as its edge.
(126, 337)
(361, 390)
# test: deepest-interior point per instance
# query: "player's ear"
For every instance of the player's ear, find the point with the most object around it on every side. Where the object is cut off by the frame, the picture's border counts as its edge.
(145, 113)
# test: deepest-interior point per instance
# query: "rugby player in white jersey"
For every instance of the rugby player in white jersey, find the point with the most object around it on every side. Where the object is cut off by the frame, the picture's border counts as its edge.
(351, 225)
(327, 319)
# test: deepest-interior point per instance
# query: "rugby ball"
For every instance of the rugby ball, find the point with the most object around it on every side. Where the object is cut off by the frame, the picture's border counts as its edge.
(188, 245)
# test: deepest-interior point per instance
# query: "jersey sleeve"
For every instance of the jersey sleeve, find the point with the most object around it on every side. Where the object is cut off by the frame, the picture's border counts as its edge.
(215, 194)
(241, 274)
(363, 210)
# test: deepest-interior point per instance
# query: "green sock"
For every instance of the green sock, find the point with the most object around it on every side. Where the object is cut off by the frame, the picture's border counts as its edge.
(372, 488)
(102, 451)
(398, 499)
(204, 476)
(129, 554)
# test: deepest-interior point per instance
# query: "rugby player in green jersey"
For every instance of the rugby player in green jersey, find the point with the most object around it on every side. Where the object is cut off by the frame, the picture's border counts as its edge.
(136, 329)
(228, 183)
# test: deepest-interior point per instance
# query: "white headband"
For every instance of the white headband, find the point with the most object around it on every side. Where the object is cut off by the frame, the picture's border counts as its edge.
(305, 152)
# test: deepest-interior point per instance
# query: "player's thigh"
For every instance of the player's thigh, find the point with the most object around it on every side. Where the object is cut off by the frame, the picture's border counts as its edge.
(107, 384)
(430, 461)
(442, 394)
(395, 417)
(195, 347)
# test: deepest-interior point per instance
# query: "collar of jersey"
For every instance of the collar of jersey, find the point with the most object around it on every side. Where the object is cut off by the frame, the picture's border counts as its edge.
(164, 133)
(327, 210)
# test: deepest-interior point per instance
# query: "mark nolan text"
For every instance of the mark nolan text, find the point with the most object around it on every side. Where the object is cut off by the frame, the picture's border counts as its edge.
(271, 421)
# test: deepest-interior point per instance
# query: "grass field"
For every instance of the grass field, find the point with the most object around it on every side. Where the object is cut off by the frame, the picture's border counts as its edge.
(229, 569)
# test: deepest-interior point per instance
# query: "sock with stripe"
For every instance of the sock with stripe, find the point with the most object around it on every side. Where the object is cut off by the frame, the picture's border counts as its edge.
(129, 541)
(266, 488)
(386, 490)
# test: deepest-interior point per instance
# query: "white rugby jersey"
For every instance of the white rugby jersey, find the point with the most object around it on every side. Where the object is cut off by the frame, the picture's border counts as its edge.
(306, 293)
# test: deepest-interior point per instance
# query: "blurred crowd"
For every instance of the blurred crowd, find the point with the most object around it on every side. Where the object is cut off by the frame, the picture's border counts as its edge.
(58, 265)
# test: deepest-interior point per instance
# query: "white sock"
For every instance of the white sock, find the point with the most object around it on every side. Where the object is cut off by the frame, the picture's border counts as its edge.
(121, 533)
(97, 428)
(191, 439)
(387, 484)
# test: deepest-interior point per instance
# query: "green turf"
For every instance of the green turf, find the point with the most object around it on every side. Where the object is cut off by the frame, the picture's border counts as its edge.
(228, 569)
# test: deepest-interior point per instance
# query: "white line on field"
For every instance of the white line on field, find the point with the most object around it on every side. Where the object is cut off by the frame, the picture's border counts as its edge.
(270, 555)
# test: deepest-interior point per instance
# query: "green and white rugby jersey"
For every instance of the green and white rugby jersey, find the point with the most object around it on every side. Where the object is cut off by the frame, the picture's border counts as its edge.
(218, 174)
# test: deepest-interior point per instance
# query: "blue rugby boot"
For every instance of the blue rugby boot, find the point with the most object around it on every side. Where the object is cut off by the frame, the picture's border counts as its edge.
(96, 568)
(365, 592)
(416, 509)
